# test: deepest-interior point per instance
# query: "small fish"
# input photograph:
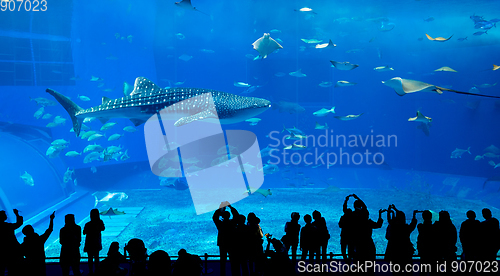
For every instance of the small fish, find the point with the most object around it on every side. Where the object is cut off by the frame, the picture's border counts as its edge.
(59, 120)
(180, 36)
(241, 84)
(295, 147)
(28, 179)
(124, 156)
(311, 41)
(491, 155)
(94, 137)
(91, 157)
(60, 143)
(492, 163)
(43, 101)
(457, 153)
(253, 121)
(47, 116)
(73, 153)
(325, 84)
(383, 68)
(68, 175)
(343, 83)
(492, 149)
(305, 9)
(89, 119)
(297, 74)
(130, 129)
(53, 151)
(83, 98)
(266, 151)
(429, 19)
(323, 112)
(129, 38)
(295, 136)
(87, 134)
(478, 157)
(318, 126)
(348, 117)
(39, 113)
(52, 124)
(115, 137)
(93, 147)
(385, 27)
(93, 78)
(107, 126)
(480, 33)
(93, 169)
(208, 51)
(185, 57)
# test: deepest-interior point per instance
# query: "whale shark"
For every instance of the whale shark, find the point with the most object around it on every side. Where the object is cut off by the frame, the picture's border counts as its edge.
(148, 99)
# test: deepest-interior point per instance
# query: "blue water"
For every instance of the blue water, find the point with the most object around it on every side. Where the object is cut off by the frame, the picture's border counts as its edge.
(118, 41)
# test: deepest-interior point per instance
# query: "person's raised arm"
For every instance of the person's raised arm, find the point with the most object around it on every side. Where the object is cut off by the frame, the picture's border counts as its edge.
(49, 230)
(380, 221)
(234, 212)
(413, 223)
(19, 219)
(345, 204)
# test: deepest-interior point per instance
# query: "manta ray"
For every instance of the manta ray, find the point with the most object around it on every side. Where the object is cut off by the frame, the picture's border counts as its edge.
(346, 65)
(445, 69)
(439, 39)
(148, 99)
(405, 86)
(112, 212)
(420, 118)
(266, 45)
(186, 4)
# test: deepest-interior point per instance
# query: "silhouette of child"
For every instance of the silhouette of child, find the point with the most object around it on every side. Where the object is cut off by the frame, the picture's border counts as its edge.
(291, 237)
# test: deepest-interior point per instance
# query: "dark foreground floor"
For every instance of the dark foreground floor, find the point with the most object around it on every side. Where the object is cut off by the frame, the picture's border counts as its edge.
(335, 267)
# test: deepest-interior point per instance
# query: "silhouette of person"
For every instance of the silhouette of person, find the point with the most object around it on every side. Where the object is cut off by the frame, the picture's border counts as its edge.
(110, 266)
(291, 237)
(93, 242)
(446, 238)
(159, 264)
(399, 247)
(70, 237)
(10, 250)
(323, 234)
(308, 239)
(187, 265)
(138, 256)
(490, 236)
(33, 248)
(364, 247)
(255, 241)
(426, 240)
(345, 224)
(225, 227)
(239, 251)
(469, 237)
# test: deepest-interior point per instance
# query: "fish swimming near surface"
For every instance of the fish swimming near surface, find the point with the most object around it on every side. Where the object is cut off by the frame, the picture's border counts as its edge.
(265, 45)
(406, 86)
(420, 118)
(345, 65)
(28, 179)
(148, 99)
(439, 39)
(457, 153)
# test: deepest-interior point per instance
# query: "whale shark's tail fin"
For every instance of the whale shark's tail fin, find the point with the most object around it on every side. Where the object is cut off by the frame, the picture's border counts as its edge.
(71, 107)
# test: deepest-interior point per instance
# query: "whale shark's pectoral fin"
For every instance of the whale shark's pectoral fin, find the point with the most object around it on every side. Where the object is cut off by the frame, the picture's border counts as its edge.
(137, 122)
(196, 117)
